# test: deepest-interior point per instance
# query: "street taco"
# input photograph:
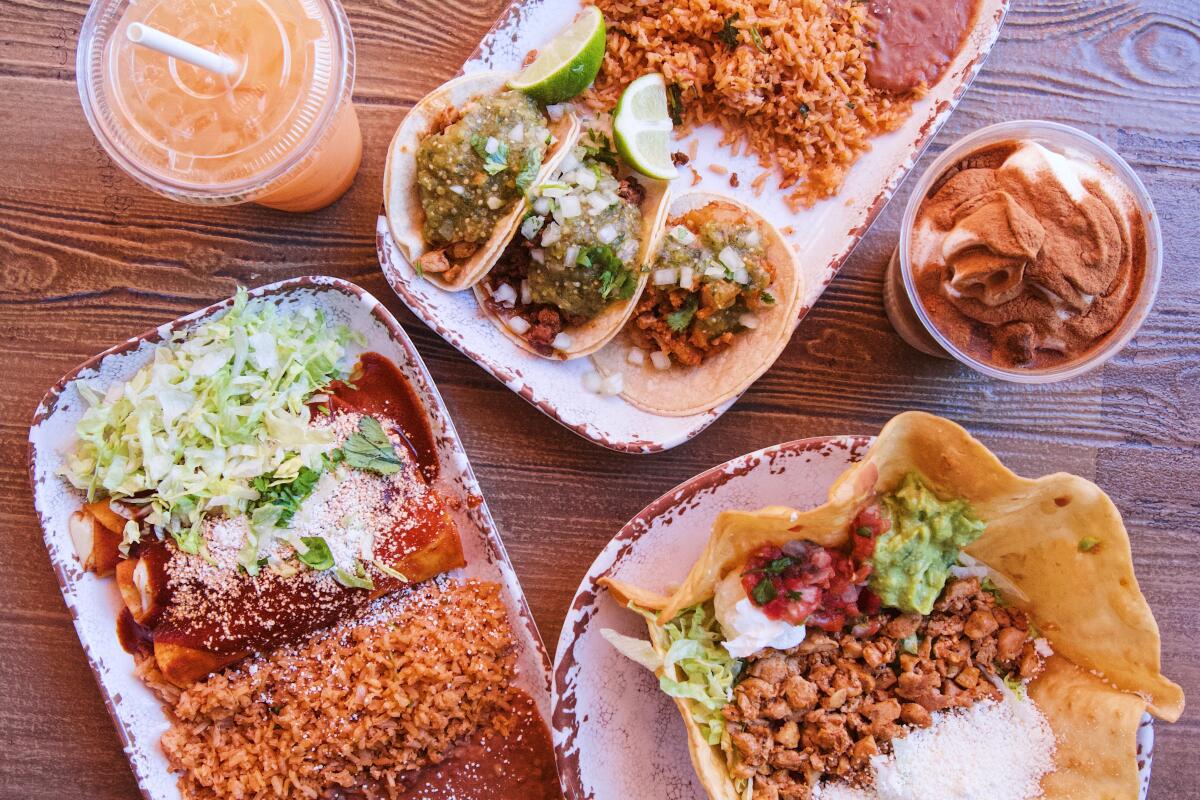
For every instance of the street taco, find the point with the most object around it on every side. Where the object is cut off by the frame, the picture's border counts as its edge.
(569, 280)
(457, 171)
(939, 627)
(719, 306)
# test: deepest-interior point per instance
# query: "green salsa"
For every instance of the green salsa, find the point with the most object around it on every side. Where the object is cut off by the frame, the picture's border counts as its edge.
(913, 557)
(583, 271)
(470, 174)
(728, 264)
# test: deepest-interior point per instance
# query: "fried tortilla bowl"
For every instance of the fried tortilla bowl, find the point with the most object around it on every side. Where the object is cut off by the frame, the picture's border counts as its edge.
(681, 391)
(598, 331)
(401, 199)
(1086, 601)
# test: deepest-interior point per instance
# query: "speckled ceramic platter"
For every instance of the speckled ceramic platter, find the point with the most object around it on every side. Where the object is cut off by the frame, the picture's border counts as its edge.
(616, 736)
(822, 236)
(94, 602)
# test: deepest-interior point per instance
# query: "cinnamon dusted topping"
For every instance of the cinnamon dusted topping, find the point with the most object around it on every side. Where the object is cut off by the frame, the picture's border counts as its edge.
(1028, 257)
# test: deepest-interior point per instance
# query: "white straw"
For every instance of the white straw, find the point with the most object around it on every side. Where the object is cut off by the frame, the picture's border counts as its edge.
(169, 45)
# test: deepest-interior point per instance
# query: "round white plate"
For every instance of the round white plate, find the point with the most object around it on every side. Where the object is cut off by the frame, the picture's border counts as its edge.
(616, 736)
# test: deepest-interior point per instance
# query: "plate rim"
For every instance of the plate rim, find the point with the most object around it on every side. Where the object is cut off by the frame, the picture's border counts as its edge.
(155, 336)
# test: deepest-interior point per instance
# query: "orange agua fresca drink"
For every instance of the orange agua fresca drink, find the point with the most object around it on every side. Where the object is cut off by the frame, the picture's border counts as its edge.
(279, 130)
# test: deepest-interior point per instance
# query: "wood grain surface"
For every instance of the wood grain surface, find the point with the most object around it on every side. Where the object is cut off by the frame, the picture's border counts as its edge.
(87, 259)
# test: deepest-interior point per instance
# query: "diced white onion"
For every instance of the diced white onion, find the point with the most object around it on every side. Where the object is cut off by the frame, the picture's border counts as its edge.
(526, 292)
(612, 384)
(597, 202)
(741, 275)
(531, 225)
(569, 205)
(636, 355)
(752, 238)
(585, 178)
(664, 277)
(570, 161)
(731, 258)
(542, 206)
(660, 360)
(592, 381)
(551, 234)
(748, 321)
(628, 250)
(517, 133)
(571, 255)
(554, 190)
(714, 272)
(505, 294)
(538, 255)
(491, 145)
(457, 189)
(561, 342)
(607, 234)
(681, 234)
(556, 111)
(687, 277)
(494, 202)
(519, 325)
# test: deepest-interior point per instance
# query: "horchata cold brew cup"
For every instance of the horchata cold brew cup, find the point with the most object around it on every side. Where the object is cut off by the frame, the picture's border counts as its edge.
(275, 127)
(1029, 251)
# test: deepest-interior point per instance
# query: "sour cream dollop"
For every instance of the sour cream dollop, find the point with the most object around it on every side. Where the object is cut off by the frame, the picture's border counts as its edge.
(747, 629)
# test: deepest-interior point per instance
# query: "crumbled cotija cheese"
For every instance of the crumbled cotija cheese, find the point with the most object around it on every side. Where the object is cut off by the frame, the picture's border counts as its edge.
(990, 751)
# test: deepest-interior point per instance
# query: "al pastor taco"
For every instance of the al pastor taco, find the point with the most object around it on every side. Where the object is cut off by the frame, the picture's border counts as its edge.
(458, 169)
(940, 627)
(568, 281)
(719, 306)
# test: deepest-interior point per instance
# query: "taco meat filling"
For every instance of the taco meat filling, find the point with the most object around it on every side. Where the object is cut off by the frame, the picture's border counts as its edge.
(576, 252)
(470, 172)
(829, 704)
(708, 284)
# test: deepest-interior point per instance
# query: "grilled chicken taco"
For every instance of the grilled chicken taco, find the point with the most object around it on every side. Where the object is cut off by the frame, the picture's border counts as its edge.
(565, 285)
(940, 627)
(719, 307)
(457, 173)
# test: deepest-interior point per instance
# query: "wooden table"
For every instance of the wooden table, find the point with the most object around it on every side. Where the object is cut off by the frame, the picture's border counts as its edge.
(87, 258)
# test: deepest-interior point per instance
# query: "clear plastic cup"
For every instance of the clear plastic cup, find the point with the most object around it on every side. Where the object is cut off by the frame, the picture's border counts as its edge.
(280, 131)
(913, 323)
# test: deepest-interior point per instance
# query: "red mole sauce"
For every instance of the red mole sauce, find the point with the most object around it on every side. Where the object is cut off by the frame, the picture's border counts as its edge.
(497, 762)
(1027, 257)
(916, 40)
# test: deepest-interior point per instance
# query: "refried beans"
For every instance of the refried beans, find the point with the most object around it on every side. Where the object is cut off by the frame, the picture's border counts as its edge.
(1027, 257)
(916, 40)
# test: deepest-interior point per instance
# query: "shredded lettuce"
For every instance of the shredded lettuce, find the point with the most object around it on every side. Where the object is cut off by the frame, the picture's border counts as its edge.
(696, 666)
(217, 407)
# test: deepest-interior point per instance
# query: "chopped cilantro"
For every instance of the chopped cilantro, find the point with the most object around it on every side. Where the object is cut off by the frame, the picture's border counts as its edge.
(675, 103)
(369, 448)
(768, 298)
(764, 591)
(1088, 543)
(679, 320)
(493, 163)
(598, 147)
(317, 556)
(804, 109)
(615, 280)
(529, 172)
(864, 531)
(729, 33)
(777, 566)
(850, 105)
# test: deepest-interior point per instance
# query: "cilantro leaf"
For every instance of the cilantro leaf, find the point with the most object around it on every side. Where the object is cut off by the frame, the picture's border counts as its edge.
(675, 103)
(729, 33)
(317, 556)
(598, 147)
(764, 591)
(615, 280)
(529, 172)
(768, 298)
(493, 163)
(679, 320)
(369, 448)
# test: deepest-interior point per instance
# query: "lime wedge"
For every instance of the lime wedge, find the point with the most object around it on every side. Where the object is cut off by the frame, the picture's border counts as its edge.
(642, 127)
(567, 65)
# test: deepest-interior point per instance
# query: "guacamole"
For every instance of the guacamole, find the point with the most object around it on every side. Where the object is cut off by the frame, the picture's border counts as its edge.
(913, 557)
(470, 173)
